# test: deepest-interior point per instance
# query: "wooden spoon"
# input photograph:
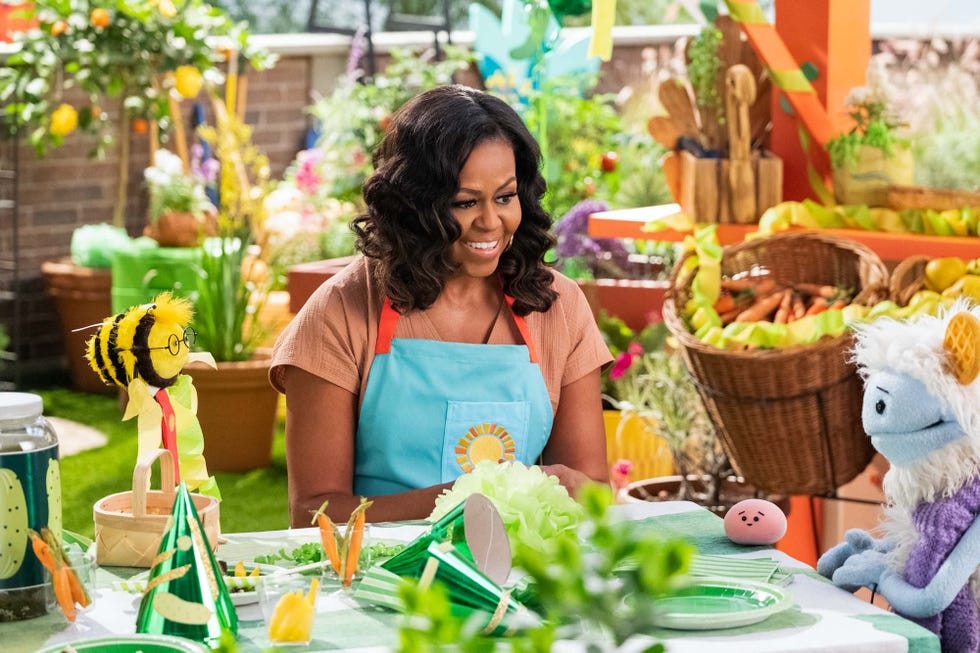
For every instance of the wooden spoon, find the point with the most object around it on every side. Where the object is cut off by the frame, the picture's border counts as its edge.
(740, 94)
(664, 131)
(676, 99)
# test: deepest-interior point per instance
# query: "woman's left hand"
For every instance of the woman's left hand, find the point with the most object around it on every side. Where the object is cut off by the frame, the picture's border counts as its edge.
(571, 479)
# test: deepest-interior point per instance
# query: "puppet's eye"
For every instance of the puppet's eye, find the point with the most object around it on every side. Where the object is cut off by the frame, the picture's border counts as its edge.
(880, 407)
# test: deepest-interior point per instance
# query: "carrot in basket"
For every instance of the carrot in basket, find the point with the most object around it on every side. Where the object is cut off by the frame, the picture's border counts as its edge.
(838, 305)
(785, 306)
(816, 290)
(724, 303)
(761, 309)
(819, 305)
(799, 308)
(328, 537)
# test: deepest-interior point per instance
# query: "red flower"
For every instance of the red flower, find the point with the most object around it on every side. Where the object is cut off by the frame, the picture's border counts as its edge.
(623, 362)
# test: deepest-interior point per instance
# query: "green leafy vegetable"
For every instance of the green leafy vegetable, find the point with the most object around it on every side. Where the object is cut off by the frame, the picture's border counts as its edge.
(533, 505)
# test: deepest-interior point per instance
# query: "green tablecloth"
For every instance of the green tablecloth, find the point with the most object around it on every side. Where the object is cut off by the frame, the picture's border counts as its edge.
(824, 618)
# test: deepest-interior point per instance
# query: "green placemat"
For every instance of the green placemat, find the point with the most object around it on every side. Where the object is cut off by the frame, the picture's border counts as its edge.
(920, 639)
(699, 527)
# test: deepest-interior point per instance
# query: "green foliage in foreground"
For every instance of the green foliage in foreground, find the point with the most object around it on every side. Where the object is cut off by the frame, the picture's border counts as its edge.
(251, 501)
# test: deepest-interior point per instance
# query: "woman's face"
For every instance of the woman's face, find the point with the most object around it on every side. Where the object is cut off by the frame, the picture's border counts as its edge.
(486, 207)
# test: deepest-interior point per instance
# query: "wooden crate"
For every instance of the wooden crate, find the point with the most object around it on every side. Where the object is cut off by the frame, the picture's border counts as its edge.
(704, 192)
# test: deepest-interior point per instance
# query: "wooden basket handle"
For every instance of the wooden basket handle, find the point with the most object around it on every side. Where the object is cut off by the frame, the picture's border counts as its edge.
(141, 478)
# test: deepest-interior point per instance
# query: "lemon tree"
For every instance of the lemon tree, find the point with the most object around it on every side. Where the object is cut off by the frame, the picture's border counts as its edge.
(128, 53)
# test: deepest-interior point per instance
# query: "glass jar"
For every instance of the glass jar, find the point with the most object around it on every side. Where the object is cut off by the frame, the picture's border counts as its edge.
(30, 498)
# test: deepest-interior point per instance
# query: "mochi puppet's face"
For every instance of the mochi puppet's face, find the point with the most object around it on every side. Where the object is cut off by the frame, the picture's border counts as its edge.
(755, 521)
(904, 421)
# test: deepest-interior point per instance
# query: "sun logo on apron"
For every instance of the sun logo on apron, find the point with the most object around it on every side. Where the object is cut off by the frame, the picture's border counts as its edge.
(487, 441)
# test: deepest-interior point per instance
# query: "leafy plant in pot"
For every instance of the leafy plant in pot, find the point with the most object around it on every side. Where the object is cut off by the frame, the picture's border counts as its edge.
(180, 212)
(236, 403)
(873, 155)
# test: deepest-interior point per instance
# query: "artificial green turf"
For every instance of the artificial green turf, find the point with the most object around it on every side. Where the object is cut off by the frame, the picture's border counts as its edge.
(251, 501)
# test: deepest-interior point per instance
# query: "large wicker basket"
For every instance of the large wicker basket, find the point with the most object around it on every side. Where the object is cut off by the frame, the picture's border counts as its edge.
(789, 419)
(130, 525)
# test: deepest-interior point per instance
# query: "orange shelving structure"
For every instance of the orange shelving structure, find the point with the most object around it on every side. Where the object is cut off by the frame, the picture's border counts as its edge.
(630, 223)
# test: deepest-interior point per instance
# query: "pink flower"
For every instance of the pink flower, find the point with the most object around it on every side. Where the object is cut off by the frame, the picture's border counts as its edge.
(622, 468)
(635, 348)
(623, 362)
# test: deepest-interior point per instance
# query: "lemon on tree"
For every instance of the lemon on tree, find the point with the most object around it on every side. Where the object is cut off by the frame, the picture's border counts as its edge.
(64, 119)
(188, 81)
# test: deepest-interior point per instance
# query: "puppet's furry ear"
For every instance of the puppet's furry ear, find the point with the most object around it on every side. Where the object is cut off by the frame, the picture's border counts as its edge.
(961, 346)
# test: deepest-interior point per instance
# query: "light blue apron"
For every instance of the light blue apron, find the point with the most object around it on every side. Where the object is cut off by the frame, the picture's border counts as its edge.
(433, 409)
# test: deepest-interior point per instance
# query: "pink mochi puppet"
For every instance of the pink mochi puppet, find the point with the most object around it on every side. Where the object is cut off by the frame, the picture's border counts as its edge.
(755, 521)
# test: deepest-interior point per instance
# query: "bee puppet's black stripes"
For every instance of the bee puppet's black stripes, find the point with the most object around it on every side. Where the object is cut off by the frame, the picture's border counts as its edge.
(115, 370)
(141, 350)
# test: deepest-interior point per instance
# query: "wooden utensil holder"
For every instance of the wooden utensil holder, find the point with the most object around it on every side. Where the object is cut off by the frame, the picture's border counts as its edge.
(129, 525)
(704, 188)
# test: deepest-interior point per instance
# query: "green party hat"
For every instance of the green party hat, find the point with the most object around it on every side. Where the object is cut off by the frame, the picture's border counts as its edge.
(471, 592)
(475, 530)
(186, 594)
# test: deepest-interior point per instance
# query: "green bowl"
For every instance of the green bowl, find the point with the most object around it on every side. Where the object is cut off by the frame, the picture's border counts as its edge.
(129, 644)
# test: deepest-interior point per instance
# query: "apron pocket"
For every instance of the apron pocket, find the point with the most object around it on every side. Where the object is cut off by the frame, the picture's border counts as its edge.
(483, 430)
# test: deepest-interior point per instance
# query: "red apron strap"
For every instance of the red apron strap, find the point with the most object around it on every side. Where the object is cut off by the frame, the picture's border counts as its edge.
(389, 320)
(386, 328)
(522, 327)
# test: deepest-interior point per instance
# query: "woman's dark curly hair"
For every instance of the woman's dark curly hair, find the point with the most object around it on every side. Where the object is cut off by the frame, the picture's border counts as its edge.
(408, 228)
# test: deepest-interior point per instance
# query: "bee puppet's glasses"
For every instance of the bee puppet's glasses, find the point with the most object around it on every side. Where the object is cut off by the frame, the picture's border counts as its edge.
(173, 342)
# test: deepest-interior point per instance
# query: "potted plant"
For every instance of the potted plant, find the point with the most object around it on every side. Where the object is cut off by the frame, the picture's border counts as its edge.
(650, 384)
(872, 156)
(624, 281)
(236, 403)
(180, 213)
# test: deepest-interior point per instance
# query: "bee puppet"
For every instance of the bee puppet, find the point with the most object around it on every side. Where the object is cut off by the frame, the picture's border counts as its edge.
(144, 350)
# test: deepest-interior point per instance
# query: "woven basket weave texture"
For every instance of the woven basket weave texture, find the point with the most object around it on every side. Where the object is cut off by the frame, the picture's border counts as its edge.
(789, 419)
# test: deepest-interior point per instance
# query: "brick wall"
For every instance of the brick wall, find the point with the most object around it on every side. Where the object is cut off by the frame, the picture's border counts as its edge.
(67, 188)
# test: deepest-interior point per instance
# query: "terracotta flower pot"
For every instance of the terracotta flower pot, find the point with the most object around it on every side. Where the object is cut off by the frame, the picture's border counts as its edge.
(867, 180)
(236, 406)
(181, 229)
(83, 297)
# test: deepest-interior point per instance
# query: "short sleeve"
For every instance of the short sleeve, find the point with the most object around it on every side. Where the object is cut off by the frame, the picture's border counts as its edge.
(325, 339)
(587, 350)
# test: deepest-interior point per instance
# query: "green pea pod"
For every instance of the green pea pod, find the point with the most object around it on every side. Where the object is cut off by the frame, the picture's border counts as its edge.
(764, 335)
(827, 218)
(936, 224)
(913, 220)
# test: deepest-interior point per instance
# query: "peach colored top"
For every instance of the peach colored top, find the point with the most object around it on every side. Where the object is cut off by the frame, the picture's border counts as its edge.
(334, 334)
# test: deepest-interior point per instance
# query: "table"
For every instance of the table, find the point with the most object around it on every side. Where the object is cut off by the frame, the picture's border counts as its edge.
(824, 619)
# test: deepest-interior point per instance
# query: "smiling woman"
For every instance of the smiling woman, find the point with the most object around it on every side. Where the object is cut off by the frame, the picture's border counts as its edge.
(450, 341)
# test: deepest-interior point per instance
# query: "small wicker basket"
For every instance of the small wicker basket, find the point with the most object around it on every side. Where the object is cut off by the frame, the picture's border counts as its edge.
(789, 419)
(129, 525)
(908, 278)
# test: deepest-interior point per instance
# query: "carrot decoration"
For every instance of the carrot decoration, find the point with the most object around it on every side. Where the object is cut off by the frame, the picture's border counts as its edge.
(68, 590)
(354, 549)
(799, 308)
(838, 305)
(343, 550)
(328, 537)
(724, 303)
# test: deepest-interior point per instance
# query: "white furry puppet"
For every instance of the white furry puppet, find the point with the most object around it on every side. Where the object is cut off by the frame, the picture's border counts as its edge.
(922, 412)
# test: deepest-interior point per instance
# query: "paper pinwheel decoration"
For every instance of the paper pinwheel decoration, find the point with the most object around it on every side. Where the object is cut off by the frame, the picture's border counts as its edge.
(525, 46)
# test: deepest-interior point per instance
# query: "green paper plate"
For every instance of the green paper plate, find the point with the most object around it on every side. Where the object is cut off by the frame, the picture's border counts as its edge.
(130, 644)
(715, 603)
